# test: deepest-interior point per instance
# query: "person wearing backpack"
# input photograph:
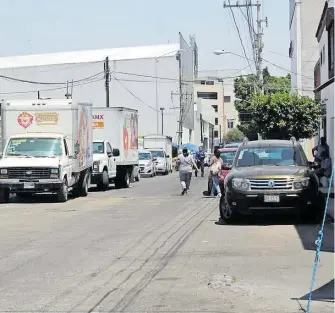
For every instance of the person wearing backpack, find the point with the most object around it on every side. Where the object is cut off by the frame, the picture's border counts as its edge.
(215, 169)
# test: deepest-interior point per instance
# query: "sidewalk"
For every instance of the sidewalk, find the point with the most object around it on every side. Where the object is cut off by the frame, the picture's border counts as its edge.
(331, 203)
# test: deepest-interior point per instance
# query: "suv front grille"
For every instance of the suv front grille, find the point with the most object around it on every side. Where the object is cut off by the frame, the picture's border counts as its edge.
(272, 184)
(29, 173)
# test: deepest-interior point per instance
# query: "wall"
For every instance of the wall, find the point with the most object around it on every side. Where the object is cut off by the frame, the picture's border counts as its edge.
(134, 91)
(230, 113)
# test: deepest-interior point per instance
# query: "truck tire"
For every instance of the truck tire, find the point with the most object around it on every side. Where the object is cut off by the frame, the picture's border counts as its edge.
(84, 185)
(4, 195)
(122, 179)
(62, 194)
(126, 182)
(137, 178)
(104, 184)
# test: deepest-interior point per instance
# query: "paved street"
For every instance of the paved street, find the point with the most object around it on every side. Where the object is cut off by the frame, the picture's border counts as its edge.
(147, 249)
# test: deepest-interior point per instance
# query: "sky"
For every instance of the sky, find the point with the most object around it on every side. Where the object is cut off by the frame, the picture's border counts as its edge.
(44, 26)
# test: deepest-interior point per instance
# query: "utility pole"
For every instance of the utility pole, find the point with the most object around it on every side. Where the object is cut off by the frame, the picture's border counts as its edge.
(157, 111)
(162, 109)
(107, 78)
(181, 114)
(258, 40)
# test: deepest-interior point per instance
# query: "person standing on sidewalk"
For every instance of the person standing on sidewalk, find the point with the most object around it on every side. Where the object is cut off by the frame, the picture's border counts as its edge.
(215, 169)
(186, 164)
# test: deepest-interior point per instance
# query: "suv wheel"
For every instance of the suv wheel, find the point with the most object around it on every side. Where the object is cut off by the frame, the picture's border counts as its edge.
(227, 213)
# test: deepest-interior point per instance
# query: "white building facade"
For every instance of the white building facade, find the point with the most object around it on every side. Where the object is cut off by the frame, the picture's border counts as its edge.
(324, 72)
(144, 78)
(304, 18)
(217, 101)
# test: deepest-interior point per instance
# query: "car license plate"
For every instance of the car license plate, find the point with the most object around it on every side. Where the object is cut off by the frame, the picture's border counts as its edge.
(28, 185)
(271, 198)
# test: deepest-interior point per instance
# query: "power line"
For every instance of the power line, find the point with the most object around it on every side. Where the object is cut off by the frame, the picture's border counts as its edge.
(239, 34)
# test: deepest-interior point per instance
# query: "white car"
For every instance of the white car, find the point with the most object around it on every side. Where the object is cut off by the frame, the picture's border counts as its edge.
(147, 164)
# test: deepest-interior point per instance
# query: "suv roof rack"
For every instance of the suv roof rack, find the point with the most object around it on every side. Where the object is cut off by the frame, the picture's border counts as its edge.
(294, 141)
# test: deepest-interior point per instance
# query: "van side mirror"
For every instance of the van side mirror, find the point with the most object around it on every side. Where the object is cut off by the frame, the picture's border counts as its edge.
(116, 152)
(313, 164)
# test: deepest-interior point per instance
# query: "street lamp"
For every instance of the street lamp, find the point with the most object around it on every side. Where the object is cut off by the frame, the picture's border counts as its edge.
(162, 110)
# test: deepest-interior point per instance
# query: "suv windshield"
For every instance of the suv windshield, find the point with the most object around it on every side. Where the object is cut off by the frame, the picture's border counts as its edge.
(227, 156)
(34, 147)
(275, 155)
(157, 154)
(98, 147)
(144, 156)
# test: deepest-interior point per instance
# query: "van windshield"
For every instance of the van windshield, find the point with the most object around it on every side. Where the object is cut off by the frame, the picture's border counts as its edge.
(157, 154)
(34, 147)
(144, 156)
(98, 148)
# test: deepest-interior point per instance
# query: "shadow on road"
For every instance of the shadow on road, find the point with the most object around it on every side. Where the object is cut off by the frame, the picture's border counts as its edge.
(325, 293)
(42, 198)
(267, 220)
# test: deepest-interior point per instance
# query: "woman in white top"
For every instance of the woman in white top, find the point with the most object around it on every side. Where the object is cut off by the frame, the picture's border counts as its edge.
(186, 164)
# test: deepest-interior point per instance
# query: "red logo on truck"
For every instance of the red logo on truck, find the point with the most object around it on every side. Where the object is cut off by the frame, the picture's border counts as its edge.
(25, 119)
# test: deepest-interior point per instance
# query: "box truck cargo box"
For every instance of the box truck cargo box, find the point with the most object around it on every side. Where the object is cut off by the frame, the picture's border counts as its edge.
(47, 147)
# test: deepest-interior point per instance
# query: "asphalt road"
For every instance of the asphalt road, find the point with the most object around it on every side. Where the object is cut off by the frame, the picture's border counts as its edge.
(147, 249)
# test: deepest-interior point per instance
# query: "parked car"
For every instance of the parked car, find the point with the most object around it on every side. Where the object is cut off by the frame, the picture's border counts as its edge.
(147, 163)
(270, 176)
(227, 155)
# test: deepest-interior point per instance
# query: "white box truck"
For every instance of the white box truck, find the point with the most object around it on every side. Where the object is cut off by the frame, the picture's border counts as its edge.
(161, 149)
(115, 147)
(47, 147)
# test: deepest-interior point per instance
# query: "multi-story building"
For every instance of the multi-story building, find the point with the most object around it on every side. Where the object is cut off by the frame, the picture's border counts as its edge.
(217, 101)
(324, 72)
(303, 50)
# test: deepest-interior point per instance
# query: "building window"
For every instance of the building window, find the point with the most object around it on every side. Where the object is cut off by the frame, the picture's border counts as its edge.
(226, 98)
(203, 82)
(331, 51)
(209, 82)
(208, 95)
(216, 134)
(216, 121)
(230, 124)
(215, 108)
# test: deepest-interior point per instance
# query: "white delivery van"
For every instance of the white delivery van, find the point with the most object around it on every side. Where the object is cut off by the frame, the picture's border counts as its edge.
(47, 147)
(161, 149)
(115, 147)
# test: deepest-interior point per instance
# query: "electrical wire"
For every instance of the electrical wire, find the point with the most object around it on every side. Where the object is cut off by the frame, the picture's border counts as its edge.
(239, 35)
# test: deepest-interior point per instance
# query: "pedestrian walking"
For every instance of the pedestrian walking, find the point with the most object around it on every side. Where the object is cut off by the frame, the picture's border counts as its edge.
(325, 170)
(200, 160)
(186, 164)
(215, 169)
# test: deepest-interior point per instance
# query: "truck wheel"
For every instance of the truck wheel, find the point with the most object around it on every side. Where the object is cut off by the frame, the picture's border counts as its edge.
(62, 194)
(137, 178)
(104, 180)
(4, 195)
(126, 182)
(85, 185)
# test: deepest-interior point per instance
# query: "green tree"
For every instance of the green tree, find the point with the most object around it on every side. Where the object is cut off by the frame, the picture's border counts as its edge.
(234, 135)
(283, 115)
(245, 88)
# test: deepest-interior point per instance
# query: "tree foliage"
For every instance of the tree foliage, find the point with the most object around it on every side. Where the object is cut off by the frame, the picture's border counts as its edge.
(283, 115)
(245, 88)
(234, 135)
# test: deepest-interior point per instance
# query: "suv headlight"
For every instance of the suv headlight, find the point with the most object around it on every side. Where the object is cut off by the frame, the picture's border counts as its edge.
(3, 171)
(96, 165)
(301, 183)
(241, 183)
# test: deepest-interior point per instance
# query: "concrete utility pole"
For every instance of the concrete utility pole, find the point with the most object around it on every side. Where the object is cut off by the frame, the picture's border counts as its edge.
(181, 113)
(162, 110)
(107, 78)
(259, 37)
